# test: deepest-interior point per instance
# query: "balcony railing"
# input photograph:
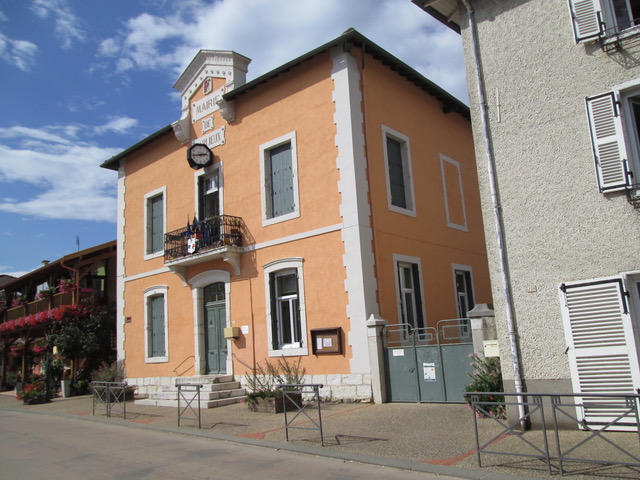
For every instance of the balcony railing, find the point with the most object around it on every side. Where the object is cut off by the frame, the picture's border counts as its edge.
(210, 234)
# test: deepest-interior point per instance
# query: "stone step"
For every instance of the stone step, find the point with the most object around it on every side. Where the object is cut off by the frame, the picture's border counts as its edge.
(204, 395)
(205, 379)
(204, 404)
(208, 387)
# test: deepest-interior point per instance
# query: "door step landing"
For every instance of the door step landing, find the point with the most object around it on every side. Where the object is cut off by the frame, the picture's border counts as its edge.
(216, 391)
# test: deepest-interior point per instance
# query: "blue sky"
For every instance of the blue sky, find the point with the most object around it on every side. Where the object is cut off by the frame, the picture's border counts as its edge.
(83, 80)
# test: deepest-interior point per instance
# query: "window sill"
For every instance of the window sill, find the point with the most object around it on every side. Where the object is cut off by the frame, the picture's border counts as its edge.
(282, 218)
(149, 256)
(403, 211)
(156, 360)
(289, 352)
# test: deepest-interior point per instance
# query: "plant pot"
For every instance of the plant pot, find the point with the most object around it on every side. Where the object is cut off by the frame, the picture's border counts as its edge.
(35, 400)
(274, 404)
(65, 388)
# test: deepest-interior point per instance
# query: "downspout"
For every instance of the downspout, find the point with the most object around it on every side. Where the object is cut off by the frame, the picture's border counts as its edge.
(497, 213)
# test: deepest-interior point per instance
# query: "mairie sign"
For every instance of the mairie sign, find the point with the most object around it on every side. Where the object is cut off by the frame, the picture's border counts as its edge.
(212, 139)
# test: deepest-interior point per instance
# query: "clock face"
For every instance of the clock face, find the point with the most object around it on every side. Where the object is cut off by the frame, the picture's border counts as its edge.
(199, 156)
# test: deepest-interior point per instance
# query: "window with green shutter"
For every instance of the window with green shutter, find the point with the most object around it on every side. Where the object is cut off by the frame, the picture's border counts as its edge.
(155, 224)
(156, 323)
(280, 177)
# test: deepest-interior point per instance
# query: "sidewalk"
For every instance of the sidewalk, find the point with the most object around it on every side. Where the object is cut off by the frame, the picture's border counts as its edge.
(435, 438)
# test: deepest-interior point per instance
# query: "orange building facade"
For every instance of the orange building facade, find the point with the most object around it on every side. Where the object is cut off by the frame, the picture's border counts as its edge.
(334, 191)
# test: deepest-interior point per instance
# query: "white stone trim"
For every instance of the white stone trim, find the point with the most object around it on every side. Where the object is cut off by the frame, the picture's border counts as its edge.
(407, 167)
(120, 269)
(197, 283)
(164, 291)
(150, 273)
(357, 235)
(397, 258)
(272, 267)
(205, 172)
(158, 191)
(264, 150)
(292, 238)
(464, 227)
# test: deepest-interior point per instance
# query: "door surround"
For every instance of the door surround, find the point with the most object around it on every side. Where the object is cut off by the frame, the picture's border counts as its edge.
(197, 283)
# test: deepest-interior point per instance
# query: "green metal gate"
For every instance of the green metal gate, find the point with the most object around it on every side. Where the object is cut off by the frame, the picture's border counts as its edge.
(428, 364)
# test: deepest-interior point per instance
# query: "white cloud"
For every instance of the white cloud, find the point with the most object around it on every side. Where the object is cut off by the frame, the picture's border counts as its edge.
(70, 183)
(272, 32)
(118, 125)
(19, 53)
(68, 26)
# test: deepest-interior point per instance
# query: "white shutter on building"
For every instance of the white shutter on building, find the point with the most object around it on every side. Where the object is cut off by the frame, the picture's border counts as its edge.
(601, 345)
(607, 138)
(586, 18)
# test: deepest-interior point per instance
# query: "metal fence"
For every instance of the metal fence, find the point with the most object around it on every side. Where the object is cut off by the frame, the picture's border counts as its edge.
(292, 395)
(189, 393)
(110, 396)
(598, 416)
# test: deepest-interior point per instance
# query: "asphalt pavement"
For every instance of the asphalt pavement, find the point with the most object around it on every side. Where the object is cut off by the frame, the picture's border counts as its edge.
(434, 438)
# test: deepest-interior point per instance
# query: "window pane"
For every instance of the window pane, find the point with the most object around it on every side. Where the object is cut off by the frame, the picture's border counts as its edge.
(156, 216)
(287, 285)
(396, 173)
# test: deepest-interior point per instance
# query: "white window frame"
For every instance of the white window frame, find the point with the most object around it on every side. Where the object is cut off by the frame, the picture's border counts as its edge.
(407, 171)
(151, 292)
(456, 165)
(215, 169)
(399, 260)
(596, 19)
(265, 189)
(294, 264)
(614, 137)
(147, 198)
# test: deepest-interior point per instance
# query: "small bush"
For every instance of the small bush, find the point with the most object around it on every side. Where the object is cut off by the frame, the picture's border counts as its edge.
(265, 379)
(113, 372)
(487, 377)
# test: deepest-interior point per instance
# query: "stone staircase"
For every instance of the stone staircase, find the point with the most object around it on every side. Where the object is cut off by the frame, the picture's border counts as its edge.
(216, 391)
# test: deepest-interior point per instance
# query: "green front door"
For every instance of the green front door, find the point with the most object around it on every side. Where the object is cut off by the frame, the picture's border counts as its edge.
(215, 321)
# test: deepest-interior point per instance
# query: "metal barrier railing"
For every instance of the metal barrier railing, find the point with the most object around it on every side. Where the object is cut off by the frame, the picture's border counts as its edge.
(194, 390)
(292, 394)
(108, 395)
(600, 414)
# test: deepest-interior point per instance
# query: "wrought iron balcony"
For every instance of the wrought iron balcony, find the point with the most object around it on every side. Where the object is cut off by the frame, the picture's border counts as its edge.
(212, 237)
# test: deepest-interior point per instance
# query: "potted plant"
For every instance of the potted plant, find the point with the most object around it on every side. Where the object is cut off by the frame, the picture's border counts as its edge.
(33, 393)
(265, 395)
(113, 373)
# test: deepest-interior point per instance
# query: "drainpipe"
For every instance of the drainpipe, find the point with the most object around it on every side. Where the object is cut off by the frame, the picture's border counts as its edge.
(497, 213)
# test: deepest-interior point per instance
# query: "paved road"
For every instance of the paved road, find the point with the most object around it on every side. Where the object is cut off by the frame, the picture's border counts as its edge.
(37, 446)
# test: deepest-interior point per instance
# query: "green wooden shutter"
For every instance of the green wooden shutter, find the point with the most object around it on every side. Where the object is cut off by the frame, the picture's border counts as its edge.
(156, 234)
(156, 310)
(282, 201)
(396, 173)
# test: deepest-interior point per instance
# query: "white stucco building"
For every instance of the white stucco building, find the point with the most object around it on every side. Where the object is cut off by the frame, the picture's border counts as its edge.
(555, 101)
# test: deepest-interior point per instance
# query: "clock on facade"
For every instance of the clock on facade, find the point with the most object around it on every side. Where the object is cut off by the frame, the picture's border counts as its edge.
(199, 156)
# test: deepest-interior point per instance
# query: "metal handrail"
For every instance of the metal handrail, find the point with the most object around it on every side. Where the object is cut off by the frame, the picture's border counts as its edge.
(211, 233)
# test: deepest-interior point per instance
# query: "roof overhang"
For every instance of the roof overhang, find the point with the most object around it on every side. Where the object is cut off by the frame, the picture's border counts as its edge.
(445, 11)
